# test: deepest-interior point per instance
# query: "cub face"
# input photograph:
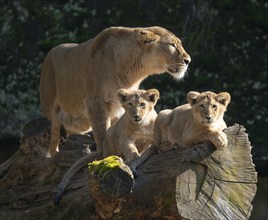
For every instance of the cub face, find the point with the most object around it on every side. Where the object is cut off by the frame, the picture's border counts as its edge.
(208, 107)
(164, 51)
(138, 103)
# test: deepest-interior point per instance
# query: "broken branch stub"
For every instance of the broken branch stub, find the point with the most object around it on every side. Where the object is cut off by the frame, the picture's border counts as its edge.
(114, 176)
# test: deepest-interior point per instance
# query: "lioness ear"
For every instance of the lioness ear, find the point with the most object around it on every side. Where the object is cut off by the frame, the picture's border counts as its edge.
(122, 95)
(192, 96)
(152, 95)
(146, 36)
(224, 98)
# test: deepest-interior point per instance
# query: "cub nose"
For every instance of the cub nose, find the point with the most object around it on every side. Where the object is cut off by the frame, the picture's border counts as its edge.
(208, 118)
(136, 116)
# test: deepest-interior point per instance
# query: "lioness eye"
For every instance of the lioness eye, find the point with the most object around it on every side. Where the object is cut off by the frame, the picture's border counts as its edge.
(143, 105)
(202, 106)
(130, 104)
(214, 107)
(172, 47)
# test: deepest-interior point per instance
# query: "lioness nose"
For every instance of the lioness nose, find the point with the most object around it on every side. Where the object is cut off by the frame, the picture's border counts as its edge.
(187, 60)
(136, 116)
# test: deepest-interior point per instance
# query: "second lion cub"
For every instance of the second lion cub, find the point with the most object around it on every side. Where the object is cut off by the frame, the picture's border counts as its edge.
(133, 132)
(198, 121)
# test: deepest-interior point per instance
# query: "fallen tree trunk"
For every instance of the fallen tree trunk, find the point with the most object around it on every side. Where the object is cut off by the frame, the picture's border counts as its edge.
(195, 183)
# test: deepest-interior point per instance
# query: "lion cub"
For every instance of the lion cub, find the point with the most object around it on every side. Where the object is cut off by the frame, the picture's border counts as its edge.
(200, 120)
(133, 132)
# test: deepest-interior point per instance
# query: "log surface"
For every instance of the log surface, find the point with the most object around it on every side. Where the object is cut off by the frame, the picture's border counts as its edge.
(207, 184)
(195, 183)
(223, 185)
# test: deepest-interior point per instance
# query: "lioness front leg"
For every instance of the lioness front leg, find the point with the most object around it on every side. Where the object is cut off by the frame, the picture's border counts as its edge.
(100, 123)
(219, 139)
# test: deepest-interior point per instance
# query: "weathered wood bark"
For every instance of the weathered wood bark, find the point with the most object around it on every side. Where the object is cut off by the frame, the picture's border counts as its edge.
(196, 183)
(27, 185)
(223, 185)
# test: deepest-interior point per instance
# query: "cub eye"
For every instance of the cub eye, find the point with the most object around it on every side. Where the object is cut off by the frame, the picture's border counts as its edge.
(143, 105)
(215, 107)
(202, 106)
(130, 104)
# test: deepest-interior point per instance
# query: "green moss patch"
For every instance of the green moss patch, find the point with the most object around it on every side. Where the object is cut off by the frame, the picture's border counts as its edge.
(100, 166)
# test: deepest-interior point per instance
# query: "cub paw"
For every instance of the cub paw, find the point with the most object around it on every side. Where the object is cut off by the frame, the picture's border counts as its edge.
(220, 140)
(131, 157)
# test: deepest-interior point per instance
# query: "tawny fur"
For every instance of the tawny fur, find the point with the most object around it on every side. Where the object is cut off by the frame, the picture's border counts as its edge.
(133, 132)
(199, 121)
(79, 82)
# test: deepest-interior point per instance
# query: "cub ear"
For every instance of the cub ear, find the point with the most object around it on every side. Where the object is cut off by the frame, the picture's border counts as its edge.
(192, 97)
(224, 98)
(147, 37)
(122, 95)
(152, 95)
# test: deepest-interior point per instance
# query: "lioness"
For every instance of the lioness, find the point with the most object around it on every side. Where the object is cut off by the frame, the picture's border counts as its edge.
(79, 82)
(133, 132)
(198, 121)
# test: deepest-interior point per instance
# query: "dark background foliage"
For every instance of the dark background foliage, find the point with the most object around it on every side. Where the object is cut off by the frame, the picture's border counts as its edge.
(226, 39)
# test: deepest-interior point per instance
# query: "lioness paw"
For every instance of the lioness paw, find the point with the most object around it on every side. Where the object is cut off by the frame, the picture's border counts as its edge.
(50, 153)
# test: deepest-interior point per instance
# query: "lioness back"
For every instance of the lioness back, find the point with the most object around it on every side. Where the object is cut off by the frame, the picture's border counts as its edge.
(133, 132)
(198, 121)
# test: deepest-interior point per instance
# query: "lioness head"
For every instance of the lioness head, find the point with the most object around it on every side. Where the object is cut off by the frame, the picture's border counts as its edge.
(208, 107)
(138, 103)
(152, 49)
(165, 51)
